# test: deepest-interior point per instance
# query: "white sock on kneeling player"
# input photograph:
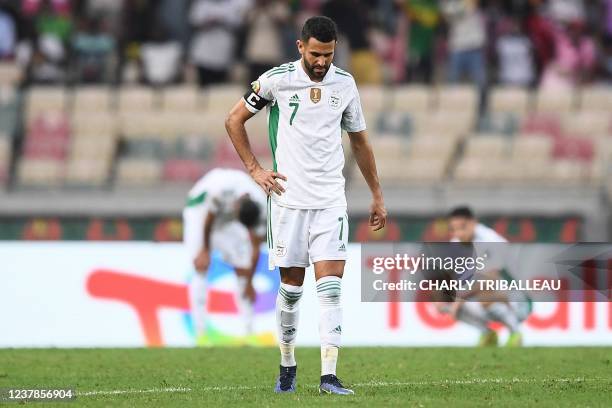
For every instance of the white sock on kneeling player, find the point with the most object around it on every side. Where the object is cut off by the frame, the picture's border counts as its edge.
(197, 300)
(287, 314)
(474, 314)
(503, 313)
(245, 307)
(330, 321)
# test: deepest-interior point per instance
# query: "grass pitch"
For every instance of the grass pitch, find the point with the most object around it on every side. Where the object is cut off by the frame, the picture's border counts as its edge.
(412, 377)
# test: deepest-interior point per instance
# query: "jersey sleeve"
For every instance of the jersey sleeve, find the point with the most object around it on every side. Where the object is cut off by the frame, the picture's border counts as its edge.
(260, 94)
(352, 117)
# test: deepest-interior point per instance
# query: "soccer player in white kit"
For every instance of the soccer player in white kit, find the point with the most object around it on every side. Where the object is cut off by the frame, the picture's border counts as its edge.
(309, 103)
(225, 212)
(464, 227)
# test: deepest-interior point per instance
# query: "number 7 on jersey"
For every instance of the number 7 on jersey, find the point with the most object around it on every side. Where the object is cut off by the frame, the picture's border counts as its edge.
(295, 107)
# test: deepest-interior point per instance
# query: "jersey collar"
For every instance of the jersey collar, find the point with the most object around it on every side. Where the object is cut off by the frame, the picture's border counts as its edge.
(304, 75)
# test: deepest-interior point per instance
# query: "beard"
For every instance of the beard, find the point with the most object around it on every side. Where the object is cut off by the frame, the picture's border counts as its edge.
(314, 74)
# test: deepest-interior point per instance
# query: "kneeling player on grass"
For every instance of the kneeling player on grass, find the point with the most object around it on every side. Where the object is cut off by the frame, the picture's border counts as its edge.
(464, 227)
(224, 213)
(309, 103)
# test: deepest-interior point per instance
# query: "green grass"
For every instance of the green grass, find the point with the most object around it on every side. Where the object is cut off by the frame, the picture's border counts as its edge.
(419, 377)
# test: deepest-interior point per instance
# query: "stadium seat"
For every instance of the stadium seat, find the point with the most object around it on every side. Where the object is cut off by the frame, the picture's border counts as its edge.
(389, 147)
(393, 122)
(574, 149)
(87, 172)
(591, 124)
(222, 98)
(180, 99)
(514, 100)
(94, 123)
(10, 73)
(33, 172)
(426, 147)
(138, 172)
(92, 99)
(542, 124)
(596, 98)
(444, 124)
(555, 102)
(534, 148)
(183, 170)
(486, 147)
(136, 99)
(457, 98)
(568, 171)
(374, 98)
(411, 98)
(43, 99)
(477, 169)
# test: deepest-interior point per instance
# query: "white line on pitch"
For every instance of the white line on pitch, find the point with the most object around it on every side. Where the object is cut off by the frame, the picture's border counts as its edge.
(365, 385)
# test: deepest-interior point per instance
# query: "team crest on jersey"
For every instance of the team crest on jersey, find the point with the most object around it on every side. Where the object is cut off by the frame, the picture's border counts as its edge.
(281, 249)
(315, 95)
(334, 101)
(255, 85)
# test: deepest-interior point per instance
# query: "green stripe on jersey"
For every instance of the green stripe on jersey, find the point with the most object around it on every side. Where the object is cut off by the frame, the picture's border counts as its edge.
(193, 201)
(344, 74)
(273, 131)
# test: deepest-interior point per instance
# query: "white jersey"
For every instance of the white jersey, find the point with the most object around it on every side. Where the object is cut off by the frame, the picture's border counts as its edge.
(305, 122)
(219, 191)
(489, 241)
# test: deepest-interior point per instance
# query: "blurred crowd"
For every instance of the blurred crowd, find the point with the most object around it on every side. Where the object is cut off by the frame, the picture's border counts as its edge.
(531, 43)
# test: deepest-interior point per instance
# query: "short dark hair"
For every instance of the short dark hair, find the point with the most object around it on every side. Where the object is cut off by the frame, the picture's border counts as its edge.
(462, 211)
(249, 212)
(321, 28)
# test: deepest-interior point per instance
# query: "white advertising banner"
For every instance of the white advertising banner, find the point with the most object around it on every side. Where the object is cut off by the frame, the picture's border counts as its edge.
(136, 294)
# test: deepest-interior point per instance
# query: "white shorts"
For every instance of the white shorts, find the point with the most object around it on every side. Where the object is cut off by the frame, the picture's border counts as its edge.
(300, 237)
(230, 239)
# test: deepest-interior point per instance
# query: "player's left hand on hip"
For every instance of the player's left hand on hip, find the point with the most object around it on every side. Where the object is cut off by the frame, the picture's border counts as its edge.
(378, 215)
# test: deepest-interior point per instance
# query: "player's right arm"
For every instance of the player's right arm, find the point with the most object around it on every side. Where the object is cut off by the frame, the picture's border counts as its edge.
(254, 100)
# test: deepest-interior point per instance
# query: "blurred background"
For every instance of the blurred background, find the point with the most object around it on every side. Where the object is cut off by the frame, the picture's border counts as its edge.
(110, 110)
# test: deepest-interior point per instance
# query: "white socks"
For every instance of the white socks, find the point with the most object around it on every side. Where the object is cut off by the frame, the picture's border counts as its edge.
(245, 307)
(330, 321)
(503, 313)
(287, 313)
(474, 314)
(197, 299)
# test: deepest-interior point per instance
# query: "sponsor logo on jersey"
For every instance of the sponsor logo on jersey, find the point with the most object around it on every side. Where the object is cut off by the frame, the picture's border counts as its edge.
(342, 248)
(315, 95)
(294, 98)
(334, 101)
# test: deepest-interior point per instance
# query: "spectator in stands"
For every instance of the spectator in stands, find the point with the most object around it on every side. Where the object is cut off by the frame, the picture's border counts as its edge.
(8, 33)
(351, 16)
(565, 11)
(264, 36)
(213, 45)
(606, 60)
(514, 55)
(93, 50)
(467, 37)
(424, 18)
(161, 57)
(541, 33)
(574, 60)
(607, 22)
(45, 51)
